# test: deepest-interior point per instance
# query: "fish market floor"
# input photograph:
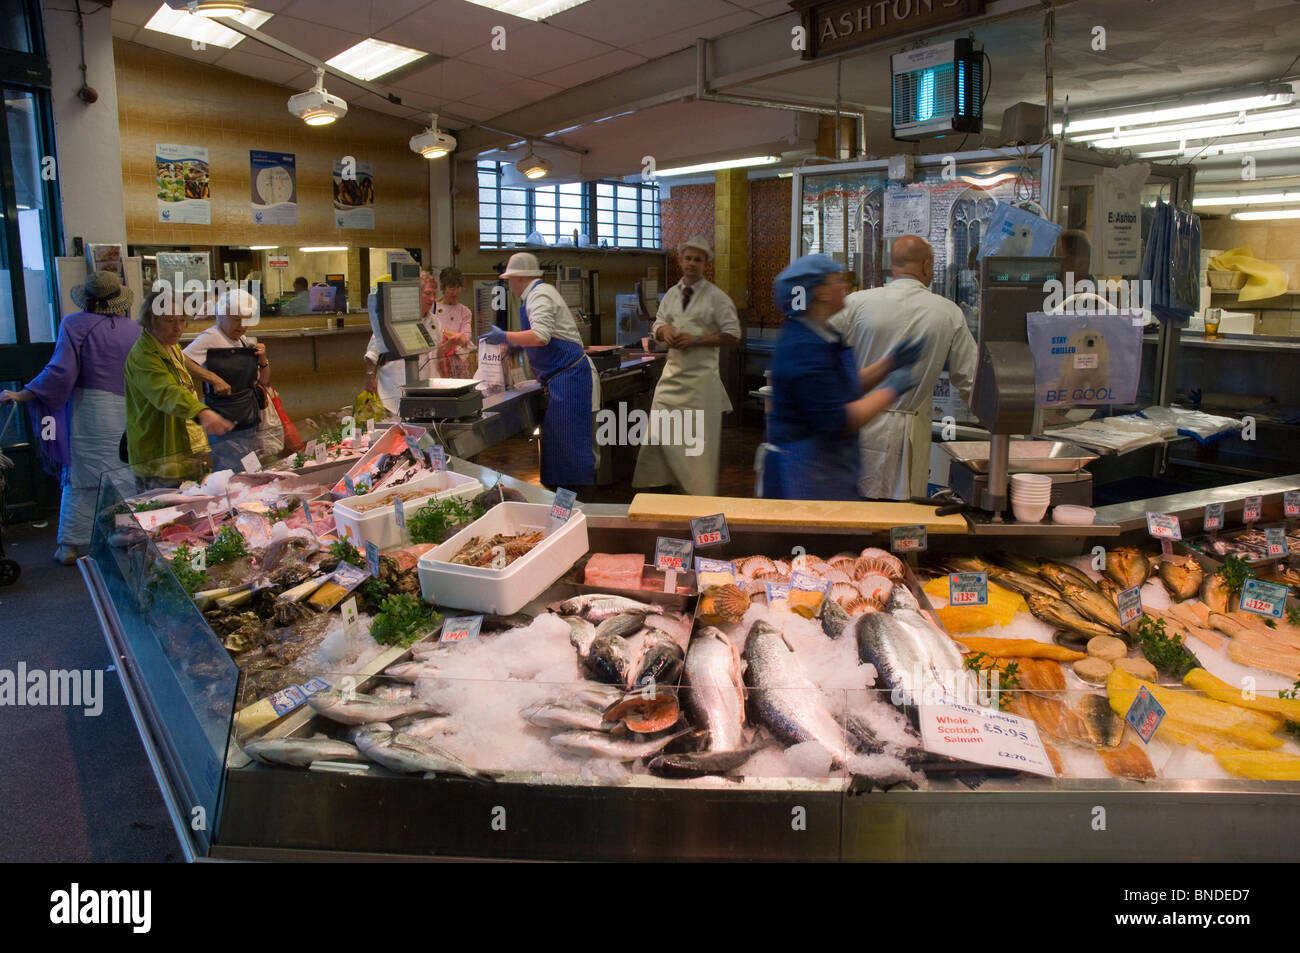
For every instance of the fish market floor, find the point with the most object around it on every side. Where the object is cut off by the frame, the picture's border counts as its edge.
(75, 788)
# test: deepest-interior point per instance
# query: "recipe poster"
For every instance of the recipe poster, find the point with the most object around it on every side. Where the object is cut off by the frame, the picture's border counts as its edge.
(184, 196)
(354, 194)
(274, 179)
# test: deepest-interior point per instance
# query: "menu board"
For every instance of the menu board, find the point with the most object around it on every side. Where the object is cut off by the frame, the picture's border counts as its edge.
(184, 195)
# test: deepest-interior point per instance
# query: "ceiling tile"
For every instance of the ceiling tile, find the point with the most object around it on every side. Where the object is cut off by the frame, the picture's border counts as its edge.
(568, 77)
(620, 23)
(279, 69)
(681, 39)
(319, 41)
(535, 49)
(512, 97)
(472, 113)
(134, 11)
(767, 8)
(449, 27)
(454, 81)
(364, 17)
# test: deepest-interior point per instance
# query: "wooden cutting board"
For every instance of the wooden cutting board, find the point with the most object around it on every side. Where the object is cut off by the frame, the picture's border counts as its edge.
(741, 511)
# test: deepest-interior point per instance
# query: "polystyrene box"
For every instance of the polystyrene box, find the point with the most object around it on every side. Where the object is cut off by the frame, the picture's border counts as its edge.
(379, 525)
(503, 591)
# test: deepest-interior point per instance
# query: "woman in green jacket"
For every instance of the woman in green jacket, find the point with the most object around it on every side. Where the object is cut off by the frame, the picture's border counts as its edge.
(166, 422)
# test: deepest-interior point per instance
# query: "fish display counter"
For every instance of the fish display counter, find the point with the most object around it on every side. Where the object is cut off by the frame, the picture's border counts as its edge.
(814, 688)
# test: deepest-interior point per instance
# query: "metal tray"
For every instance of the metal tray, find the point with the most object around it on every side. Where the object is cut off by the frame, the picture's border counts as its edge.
(1025, 456)
(676, 600)
(440, 387)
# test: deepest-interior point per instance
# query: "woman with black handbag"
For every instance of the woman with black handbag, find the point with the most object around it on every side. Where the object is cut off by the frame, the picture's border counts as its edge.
(224, 353)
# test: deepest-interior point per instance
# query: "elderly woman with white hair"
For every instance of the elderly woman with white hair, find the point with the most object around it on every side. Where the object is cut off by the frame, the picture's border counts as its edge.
(239, 363)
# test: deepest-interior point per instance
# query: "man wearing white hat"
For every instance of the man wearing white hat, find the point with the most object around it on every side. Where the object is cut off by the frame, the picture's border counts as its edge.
(695, 319)
(556, 355)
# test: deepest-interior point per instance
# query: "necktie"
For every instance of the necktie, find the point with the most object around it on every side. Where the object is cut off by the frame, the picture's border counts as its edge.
(687, 291)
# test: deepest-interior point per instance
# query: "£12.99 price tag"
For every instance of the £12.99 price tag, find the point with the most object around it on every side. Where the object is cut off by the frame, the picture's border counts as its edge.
(1275, 540)
(1163, 526)
(907, 539)
(1263, 598)
(1251, 508)
(968, 589)
(1130, 605)
(1213, 517)
(710, 530)
(673, 554)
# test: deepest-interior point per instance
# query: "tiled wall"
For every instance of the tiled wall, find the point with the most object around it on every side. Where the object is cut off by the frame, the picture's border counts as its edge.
(686, 213)
(167, 98)
(769, 244)
(1278, 243)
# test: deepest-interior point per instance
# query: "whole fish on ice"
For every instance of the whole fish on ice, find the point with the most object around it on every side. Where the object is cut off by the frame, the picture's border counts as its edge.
(359, 709)
(301, 752)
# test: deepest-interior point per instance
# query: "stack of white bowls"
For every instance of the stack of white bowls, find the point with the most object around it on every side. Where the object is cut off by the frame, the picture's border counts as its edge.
(1031, 495)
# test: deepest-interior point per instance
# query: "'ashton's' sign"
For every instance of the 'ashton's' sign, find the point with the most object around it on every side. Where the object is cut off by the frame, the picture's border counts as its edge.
(837, 25)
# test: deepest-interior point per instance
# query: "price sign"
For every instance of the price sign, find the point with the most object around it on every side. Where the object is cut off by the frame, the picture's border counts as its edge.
(1263, 598)
(287, 699)
(1213, 518)
(370, 426)
(250, 462)
(562, 508)
(413, 446)
(674, 554)
(350, 626)
(399, 512)
(309, 451)
(1251, 507)
(1130, 605)
(1275, 540)
(460, 628)
(150, 520)
(372, 558)
(199, 560)
(438, 457)
(1291, 504)
(306, 511)
(1163, 526)
(320, 453)
(907, 539)
(968, 589)
(984, 736)
(350, 484)
(710, 530)
(1145, 714)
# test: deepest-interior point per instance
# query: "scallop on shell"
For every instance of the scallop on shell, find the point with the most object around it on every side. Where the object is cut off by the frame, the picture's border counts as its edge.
(804, 563)
(844, 593)
(782, 567)
(877, 562)
(876, 588)
(751, 565)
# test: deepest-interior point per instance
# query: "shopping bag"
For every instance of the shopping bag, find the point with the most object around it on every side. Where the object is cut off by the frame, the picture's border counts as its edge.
(368, 406)
(491, 367)
(293, 442)
(270, 433)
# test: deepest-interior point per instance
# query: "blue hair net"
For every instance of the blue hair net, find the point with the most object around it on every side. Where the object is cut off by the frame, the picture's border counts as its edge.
(807, 273)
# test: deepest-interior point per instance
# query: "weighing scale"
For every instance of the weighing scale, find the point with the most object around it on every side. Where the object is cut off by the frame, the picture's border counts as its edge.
(441, 399)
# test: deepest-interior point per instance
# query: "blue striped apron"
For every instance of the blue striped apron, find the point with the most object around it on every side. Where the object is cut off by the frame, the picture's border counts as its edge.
(567, 456)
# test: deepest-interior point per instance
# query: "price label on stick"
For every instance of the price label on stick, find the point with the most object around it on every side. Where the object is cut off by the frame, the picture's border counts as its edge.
(1263, 598)
(250, 462)
(372, 558)
(460, 628)
(350, 626)
(674, 554)
(413, 446)
(1291, 504)
(1145, 714)
(1275, 540)
(309, 451)
(438, 457)
(562, 508)
(907, 539)
(399, 512)
(320, 453)
(1213, 519)
(1163, 526)
(1130, 605)
(1251, 508)
(199, 560)
(370, 426)
(710, 530)
(968, 589)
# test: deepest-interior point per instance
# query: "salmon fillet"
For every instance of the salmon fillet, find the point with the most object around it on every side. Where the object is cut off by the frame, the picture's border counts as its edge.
(1128, 761)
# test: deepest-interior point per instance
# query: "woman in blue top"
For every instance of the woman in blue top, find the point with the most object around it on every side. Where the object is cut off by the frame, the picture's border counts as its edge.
(819, 397)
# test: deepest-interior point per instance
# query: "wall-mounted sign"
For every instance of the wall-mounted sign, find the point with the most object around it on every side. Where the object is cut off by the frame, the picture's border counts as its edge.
(354, 195)
(183, 192)
(274, 178)
(834, 26)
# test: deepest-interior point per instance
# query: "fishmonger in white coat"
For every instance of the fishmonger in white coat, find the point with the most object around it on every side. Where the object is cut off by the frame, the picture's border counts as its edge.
(695, 319)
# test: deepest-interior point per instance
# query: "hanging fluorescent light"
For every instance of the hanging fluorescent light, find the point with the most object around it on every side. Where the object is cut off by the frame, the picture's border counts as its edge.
(432, 143)
(529, 9)
(209, 8)
(718, 166)
(1279, 121)
(533, 166)
(1255, 198)
(1230, 148)
(373, 58)
(1266, 215)
(1261, 98)
(316, 107)
(263, 247)
(202, 29)
(323, 248)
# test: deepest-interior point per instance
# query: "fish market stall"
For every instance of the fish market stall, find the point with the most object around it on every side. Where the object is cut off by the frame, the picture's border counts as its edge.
(581, 685)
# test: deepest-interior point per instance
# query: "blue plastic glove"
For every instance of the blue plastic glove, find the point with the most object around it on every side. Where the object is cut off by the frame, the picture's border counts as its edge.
(900, 381)
(495, 336)
(907, 353)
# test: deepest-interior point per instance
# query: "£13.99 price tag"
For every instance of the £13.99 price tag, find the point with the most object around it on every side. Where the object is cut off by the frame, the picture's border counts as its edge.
(907, 539)
(1130, 605)
(1163, 526)
(1263, 598)
(1275, 540)
(562, 508)
(1251, 508)
(968, 589)
(459, 628)
(1213, 517)
(674, 554)
(984, 736)
(710, 530)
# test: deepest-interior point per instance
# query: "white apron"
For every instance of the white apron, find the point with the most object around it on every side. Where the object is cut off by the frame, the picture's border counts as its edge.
(691, 386)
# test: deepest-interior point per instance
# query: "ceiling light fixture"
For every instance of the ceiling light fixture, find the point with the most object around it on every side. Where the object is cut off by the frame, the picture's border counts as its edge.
(533, 166)
(1257, 198)
(323, 248)
(202, 29)
(1266, 215)
(1230, 148)
(209, 8)
(717, 166)
(262, 247)
(316, 107)
(432, 143)
(529, 9)
(1263, 123)
(1257, 98)
(373, 58)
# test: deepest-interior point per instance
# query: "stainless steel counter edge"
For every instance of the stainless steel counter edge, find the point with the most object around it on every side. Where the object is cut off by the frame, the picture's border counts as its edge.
(1132, 516)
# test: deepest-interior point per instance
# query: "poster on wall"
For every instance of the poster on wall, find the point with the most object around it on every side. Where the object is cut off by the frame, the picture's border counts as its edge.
(907, 212)
(274, 178)
(1117, 220)
(354, 194)
(181, 267)
(184, 196)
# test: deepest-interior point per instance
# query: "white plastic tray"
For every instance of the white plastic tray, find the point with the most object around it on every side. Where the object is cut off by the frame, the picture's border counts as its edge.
(379, 525)
(503, 591)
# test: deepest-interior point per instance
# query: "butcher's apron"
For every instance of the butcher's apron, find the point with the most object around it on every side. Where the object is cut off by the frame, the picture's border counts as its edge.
(824, 466)
(568, 459)
(888, 446)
